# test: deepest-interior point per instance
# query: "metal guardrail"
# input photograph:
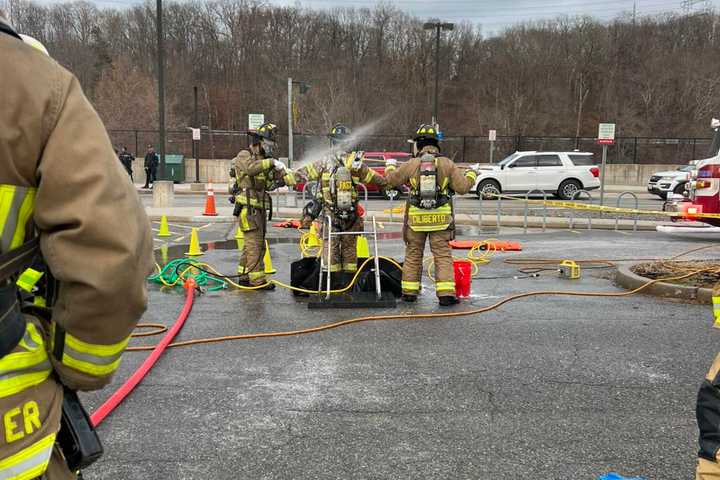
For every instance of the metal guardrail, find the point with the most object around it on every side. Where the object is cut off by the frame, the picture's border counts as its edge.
(572, 211)
(527, 206)
(617, 216)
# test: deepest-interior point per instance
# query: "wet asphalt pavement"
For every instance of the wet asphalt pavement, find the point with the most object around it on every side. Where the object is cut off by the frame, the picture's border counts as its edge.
(548, 387)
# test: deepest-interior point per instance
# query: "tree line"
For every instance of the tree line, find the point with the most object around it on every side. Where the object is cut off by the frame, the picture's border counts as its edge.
(653, 76)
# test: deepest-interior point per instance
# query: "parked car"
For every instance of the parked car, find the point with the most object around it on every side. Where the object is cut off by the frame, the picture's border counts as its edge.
(375, 160)
(671, 181)
(558, 173)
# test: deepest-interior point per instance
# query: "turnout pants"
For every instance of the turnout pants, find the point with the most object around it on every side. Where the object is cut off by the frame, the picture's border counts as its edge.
(30, 405)
(442, 253)
(344, 248)
(708, 418)
(252, 222)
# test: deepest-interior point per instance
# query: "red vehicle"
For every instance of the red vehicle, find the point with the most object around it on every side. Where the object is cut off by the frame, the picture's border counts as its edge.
(375, 160)
(702, 196)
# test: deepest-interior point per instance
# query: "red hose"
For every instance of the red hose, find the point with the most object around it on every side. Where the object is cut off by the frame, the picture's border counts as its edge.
(116, 398)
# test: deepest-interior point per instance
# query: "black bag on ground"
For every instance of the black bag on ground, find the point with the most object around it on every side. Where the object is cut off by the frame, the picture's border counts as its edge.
(305, 273)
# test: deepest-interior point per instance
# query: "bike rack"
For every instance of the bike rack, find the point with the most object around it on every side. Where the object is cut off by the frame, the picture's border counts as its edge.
(527, 197)
(499, 213)
(572, 211)
(480, 212)
(392, 194)
(330, 235)
(617, 215)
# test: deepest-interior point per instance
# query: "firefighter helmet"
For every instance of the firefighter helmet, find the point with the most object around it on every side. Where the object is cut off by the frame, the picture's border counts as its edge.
(426, 132)
(339, 132)
(266, 131)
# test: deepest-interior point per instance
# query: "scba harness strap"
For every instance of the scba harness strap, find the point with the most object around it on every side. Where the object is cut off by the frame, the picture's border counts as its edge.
(12, 321)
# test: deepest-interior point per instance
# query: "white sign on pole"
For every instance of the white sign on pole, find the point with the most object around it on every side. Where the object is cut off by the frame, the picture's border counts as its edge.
(195, 133)
(492, 135)
(255, 120)
(606, 134)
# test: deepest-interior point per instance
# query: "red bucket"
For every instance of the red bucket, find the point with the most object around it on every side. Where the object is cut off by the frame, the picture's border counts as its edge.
(463, 277)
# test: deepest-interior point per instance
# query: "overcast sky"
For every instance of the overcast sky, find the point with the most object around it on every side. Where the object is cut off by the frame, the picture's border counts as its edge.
(493, 15)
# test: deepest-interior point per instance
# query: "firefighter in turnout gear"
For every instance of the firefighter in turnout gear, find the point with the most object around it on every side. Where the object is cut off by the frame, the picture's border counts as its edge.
(433, 179)
(338, 176)
(72, 285)
(256, 172)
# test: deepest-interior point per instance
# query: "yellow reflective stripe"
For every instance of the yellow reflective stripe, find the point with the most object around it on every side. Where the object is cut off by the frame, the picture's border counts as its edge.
(30, 462)
(413, 183)
(26, 211)
(242, 269)
(256, 275)
(312, 172)
(410, 285)
(443, 286)
(350, 267)
(289, 179)
(390, 168)
(27, 280)
(39, 301)
(369, 176)
(91, 358)
(26, 368)
(471, 175)
(16, 208)
(445, 182)
(267, 163)
(325, 176)
(333, 268)
(245, 225)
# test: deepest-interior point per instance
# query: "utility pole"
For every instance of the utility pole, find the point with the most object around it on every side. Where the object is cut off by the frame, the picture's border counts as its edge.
(196, 143)
(290, 123)
(437, 25)
(161, 86)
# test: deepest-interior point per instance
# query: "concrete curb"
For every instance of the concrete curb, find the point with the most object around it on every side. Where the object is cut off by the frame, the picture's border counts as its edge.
(627, 279)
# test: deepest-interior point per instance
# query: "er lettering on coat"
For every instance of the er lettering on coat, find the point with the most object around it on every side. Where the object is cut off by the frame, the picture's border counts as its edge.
(19, 422)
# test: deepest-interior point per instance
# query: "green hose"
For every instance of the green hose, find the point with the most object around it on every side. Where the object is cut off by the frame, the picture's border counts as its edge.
(170, 275)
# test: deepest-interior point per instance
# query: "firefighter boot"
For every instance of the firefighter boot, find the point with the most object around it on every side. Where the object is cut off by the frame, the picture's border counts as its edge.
(409, 298)
(448, 300)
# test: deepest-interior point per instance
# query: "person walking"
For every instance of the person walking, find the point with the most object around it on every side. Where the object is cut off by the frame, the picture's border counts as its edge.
(151, 165)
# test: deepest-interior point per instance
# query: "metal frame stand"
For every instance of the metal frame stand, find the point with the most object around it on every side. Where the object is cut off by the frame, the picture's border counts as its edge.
(382, 299)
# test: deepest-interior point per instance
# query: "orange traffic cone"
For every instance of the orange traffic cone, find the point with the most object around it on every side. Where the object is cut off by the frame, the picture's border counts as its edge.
(210, 202)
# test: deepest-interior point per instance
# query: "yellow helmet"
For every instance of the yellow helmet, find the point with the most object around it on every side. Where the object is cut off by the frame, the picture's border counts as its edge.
(266, 131)
(35, 43)
(426, 132)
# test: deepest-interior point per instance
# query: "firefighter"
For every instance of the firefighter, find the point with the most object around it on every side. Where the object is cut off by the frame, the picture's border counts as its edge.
(708, 419)
(433, 180)
(72, 286)
(338, 176)
(256, 172)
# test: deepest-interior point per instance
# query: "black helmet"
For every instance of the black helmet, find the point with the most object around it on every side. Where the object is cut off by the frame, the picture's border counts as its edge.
(339, 133)
(426, 132)
(266, 131)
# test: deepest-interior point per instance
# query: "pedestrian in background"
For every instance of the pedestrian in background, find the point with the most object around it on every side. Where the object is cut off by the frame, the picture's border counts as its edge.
(126, 158)
(151, 164)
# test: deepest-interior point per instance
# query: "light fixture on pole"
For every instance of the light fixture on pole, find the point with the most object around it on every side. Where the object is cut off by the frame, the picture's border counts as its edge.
(437, 25)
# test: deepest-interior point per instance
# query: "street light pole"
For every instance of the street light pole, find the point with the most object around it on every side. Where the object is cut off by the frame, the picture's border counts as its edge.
(290, 124)
(161, 86)
(437, 25)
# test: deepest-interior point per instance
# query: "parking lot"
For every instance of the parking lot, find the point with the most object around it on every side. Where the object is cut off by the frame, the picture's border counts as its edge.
(545, 387)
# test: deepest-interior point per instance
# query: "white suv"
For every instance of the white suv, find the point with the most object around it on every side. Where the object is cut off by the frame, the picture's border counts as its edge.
(558, 173)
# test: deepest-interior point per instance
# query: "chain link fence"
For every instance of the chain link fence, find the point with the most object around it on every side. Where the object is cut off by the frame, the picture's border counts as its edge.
(223, 144)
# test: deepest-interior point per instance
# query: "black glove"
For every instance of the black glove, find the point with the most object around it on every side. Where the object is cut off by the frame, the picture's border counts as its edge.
(231, 199)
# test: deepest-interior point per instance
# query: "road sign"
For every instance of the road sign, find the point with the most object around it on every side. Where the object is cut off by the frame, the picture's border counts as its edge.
(255, 120)
(195, 133)
(492, 135)
(606, 134)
